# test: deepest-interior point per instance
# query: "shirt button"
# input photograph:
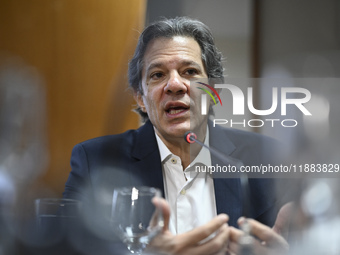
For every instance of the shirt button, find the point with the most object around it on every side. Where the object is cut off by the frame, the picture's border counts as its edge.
(183, 191)
(173, 161)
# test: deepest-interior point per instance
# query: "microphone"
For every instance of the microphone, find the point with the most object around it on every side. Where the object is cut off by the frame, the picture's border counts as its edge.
(190, 137)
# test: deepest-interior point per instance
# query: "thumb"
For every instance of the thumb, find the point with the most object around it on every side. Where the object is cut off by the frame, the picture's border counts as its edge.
(283, 217)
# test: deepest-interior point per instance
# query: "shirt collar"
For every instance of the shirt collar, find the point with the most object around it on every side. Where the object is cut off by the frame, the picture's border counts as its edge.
(203, 156)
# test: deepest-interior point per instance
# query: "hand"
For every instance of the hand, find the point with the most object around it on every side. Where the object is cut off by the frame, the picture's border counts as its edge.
(190, 242)
(267, 242)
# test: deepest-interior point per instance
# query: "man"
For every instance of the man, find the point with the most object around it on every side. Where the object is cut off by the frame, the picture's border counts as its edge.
(171, 54)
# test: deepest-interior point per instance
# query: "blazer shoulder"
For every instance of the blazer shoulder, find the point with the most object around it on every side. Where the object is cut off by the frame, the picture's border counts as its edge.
(120, 144)
(248, 139)
(254, 147)
(238, 134)
(126, 137)
(107, 148)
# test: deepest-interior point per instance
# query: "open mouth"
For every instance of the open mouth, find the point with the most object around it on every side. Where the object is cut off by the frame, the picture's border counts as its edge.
(173, 111)
(176, 108)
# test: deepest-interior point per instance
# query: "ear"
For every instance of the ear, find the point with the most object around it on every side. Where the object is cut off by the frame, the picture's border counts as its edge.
(139, 100)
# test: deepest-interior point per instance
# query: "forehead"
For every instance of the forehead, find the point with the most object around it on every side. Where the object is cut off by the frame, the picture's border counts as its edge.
(177, 46)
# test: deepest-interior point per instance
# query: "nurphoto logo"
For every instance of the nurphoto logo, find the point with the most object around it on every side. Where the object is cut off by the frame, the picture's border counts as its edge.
(281, 99)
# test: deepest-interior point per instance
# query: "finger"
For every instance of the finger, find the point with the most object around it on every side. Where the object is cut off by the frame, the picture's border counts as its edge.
(163, 206)
(283, 217)
(237, 241)
(265, 233)
(236, 248)
(166, 214)
(235, 234)
(155, 216)
(217, 244)
(200, 233)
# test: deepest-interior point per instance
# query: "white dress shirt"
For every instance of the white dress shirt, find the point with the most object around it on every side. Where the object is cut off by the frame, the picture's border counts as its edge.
(190, 194)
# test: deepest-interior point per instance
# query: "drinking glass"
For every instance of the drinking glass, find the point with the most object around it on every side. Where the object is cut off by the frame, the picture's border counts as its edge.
(56, 219)
(135, 219)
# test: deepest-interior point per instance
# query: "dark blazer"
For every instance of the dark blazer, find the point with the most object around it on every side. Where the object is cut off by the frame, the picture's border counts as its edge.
(99, 165)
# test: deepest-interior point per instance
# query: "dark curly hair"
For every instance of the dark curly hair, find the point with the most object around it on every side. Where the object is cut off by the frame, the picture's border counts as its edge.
(168, 28)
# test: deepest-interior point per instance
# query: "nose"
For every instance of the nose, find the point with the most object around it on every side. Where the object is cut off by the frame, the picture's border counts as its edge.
(176, 84)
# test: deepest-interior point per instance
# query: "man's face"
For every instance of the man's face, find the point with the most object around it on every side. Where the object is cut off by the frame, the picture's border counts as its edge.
(169, 65)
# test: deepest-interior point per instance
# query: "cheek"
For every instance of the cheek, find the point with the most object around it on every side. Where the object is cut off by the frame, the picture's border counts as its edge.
(197, 98)
(152, 99)
(150, 104)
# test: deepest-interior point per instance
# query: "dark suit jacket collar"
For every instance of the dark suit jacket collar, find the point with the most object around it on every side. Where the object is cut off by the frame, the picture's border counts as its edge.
(228, 191)
(145, 142)
(147, 166)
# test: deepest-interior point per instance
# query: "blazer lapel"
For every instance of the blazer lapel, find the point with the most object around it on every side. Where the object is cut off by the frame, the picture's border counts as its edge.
(228, 191)
(147, 168)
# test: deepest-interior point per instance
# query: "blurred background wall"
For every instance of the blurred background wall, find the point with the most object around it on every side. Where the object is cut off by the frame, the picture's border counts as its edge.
(80, 50)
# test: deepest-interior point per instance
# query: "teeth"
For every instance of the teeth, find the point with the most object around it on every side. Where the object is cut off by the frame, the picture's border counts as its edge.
(173, 111)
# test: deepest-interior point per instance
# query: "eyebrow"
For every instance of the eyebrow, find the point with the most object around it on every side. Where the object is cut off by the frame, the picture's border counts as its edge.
(183, 63)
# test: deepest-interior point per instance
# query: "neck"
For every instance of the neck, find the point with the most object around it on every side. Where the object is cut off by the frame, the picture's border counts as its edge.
(179, 147)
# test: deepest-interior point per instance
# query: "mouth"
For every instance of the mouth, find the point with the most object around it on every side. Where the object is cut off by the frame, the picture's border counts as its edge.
(174, 109)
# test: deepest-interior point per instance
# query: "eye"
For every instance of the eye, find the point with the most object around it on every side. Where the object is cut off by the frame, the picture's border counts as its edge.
(191, 71)
(156, 76)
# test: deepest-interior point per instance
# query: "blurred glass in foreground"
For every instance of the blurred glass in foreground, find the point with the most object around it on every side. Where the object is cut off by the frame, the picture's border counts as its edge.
(23, 155)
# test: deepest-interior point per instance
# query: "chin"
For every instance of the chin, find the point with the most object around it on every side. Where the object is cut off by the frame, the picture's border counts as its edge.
(179, 129)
